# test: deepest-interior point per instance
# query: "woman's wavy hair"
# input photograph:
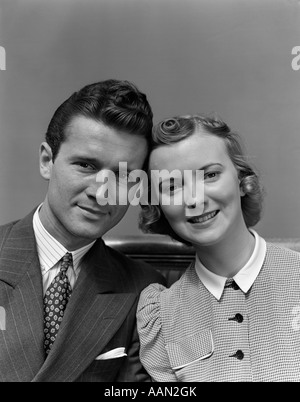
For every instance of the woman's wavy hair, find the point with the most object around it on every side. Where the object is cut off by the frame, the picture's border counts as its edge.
(175, 129)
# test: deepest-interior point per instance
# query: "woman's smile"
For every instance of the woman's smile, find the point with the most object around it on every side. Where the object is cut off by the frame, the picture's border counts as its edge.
(203, 218)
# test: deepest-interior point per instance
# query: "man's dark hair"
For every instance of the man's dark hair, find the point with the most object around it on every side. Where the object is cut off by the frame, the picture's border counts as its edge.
(117, 104)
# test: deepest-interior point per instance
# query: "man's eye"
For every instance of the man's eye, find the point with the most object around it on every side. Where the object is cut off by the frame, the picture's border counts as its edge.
(85, 165)
(122, 175)
(126, 176)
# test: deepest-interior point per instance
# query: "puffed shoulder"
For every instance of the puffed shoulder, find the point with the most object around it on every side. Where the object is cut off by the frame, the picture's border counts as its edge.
(148, 311)
(150, 325)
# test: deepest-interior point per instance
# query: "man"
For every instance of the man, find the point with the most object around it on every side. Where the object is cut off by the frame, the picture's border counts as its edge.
(70, 300)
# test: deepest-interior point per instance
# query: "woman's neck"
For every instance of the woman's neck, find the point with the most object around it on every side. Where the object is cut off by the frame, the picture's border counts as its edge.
(229, 256)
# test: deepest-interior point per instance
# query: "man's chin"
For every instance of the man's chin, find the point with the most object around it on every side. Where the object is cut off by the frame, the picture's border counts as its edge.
(87, 235)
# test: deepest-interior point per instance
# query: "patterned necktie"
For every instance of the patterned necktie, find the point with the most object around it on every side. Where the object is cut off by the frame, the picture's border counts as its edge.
(55, 301)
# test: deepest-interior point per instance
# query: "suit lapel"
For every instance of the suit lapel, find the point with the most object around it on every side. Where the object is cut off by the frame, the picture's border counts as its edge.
(94, 313)
(22, 298)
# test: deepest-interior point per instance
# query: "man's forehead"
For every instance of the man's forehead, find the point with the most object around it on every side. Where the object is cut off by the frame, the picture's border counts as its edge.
(84, 125)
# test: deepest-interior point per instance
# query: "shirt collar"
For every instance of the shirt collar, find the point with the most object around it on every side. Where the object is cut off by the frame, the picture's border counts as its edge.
(50, 251)
(244, 278)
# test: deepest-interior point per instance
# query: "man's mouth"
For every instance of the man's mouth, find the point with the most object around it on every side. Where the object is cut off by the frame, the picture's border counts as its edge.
(203, 218)
(92, 211)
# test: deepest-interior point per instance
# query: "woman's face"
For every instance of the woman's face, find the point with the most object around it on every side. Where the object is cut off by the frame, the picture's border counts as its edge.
(203, 168)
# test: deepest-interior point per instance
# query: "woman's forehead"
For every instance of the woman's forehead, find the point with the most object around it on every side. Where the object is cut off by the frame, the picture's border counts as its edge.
(195, 151)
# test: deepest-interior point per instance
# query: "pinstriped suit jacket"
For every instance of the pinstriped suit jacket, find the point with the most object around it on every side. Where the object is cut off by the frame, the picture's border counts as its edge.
(100, 315)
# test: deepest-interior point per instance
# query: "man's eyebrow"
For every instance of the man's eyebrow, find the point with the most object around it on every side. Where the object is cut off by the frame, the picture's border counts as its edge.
(85, 159)
(98, 163)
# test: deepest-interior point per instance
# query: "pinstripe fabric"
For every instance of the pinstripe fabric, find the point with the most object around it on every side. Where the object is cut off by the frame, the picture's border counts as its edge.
(99, 317)
(188, 335)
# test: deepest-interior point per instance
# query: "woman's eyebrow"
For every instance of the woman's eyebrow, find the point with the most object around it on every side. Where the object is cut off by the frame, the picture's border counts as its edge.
(208, 165)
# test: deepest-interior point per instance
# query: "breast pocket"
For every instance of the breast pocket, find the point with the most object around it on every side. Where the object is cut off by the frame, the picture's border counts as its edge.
(189, 350)
(102, 370)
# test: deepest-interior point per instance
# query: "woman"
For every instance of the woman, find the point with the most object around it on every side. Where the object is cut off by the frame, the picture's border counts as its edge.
(232, 316)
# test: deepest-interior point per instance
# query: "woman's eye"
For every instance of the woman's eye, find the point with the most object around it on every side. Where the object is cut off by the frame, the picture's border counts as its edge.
(171, 188)
(211, 175)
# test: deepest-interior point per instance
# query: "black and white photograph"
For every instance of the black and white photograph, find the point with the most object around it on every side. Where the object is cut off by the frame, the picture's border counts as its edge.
(149, 193)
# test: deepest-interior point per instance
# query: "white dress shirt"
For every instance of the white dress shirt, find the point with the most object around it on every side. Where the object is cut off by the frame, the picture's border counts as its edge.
(50, 252)
(244, 278)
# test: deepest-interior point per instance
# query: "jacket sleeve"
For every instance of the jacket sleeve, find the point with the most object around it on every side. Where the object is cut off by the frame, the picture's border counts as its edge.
(132, 369)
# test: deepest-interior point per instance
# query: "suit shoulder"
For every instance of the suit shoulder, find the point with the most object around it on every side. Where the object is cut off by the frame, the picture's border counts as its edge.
(6, 229)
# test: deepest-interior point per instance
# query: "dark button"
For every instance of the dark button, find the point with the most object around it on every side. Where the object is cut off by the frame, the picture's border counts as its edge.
(238, 317)
(235, 286)
(238, 354)
(228, 283)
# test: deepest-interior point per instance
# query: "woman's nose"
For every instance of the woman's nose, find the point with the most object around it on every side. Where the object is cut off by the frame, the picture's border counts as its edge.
(190, 203)
(194, 198)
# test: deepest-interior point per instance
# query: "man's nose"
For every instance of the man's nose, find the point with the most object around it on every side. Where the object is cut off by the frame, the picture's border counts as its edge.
(105, 190)
(92, 187)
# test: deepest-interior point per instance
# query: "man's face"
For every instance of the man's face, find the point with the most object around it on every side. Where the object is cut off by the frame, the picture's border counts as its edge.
(70, 211)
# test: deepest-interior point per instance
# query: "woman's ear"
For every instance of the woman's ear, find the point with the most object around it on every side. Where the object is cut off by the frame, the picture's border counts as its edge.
(242, 187)
(46, 162)
(242, 192)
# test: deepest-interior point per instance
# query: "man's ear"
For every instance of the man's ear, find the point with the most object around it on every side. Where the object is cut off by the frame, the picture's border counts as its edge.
(46, 162)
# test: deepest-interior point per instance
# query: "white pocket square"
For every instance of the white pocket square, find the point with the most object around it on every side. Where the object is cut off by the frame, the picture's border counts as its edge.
(112, 354)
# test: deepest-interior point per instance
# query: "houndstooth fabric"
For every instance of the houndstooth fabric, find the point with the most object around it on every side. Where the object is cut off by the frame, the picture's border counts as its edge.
(55, 301)
(186, 334)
